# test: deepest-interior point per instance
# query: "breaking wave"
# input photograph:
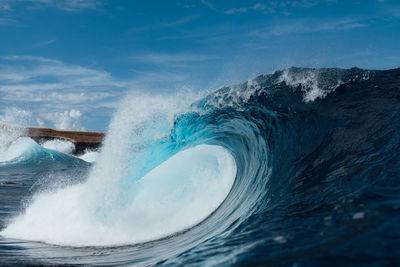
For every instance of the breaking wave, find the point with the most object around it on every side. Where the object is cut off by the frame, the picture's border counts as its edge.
(276, 167)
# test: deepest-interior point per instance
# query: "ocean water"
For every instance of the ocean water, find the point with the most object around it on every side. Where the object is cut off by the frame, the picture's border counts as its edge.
(296, 168)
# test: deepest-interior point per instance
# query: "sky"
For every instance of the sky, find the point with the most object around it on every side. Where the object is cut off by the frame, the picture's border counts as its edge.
(68, 63)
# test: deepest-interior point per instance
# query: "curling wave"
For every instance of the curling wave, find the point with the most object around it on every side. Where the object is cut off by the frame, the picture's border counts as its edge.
(270, 170)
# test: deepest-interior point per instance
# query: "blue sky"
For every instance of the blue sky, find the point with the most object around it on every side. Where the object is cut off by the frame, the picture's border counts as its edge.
(67, 63)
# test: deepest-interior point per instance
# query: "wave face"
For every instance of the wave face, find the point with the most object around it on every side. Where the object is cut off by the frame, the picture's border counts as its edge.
(299, 166)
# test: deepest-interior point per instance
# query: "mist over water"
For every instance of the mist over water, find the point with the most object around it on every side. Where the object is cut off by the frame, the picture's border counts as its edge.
(8, 134)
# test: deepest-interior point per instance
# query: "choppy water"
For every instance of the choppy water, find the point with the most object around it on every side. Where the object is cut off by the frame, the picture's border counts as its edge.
(296, 167)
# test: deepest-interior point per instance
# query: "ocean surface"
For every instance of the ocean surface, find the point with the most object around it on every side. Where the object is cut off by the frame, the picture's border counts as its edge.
(295, 168)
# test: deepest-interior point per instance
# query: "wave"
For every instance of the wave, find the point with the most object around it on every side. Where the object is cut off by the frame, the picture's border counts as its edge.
(63, 146)
(286, 158)
(26, 153)
(90, 156)
(8, 134)
(67, 147)
(20, 152)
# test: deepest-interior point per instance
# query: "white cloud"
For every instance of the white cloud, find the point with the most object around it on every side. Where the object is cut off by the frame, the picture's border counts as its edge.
(300, 3)
(45, 43)
(33, 73)
(236, 10)
(7, 21)
(169, 70)
(278, 6)
(61, 95)
(54, 93)
(259, 6)
(66, 5)
(208, 4)
(307, 26)
(67, 120)
(172, 59)
(161, 25)
(8, 9)
(145, 79)
(30, 58)
(178, 22)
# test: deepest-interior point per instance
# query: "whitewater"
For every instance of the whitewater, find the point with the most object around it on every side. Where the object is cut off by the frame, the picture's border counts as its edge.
(295, 167)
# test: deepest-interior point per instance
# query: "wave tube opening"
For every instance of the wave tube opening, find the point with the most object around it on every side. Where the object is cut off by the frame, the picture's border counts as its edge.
(176, 195)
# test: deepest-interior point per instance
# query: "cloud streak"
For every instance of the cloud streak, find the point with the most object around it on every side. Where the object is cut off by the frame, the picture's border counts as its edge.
(51, 89)
(65, 5)
(52, 93)
(208, 4)
(9, 8)
(169, 70)
(172, 59)
(232, 11)
(301, 26)
(277, 6)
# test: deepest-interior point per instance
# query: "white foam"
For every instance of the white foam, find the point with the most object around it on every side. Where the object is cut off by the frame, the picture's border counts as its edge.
(8, 135)
(359, 215)
(17, 149)
(90, 156)
(62, 146)
(141, 120)
(175, 196)
(308, 80)
(234, 96)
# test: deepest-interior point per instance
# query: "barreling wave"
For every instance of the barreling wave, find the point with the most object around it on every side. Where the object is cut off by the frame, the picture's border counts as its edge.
(271, 170)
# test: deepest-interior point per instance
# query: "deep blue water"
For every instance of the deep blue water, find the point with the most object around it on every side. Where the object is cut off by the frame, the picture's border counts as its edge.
(317, 155)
